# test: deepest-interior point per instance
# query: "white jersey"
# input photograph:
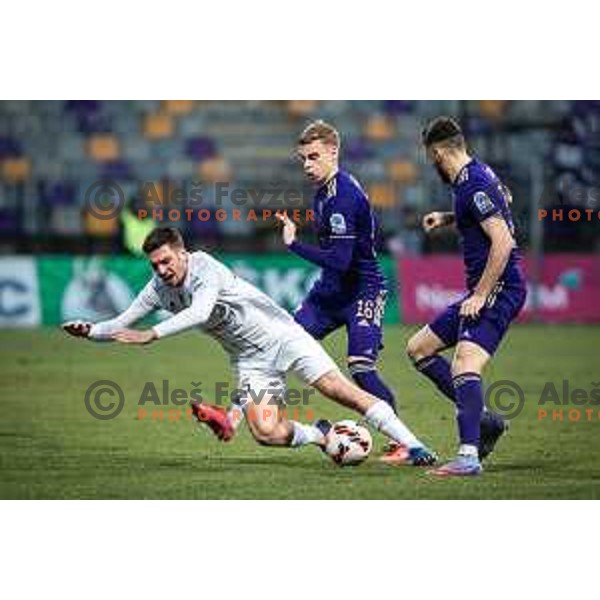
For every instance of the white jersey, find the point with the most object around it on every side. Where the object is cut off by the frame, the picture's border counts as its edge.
(244, 320)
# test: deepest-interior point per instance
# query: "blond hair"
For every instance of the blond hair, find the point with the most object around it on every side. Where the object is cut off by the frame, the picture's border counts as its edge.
(319, 131)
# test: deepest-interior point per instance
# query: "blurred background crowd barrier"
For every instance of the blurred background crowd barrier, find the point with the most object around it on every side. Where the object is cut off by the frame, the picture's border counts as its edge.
(53, 152)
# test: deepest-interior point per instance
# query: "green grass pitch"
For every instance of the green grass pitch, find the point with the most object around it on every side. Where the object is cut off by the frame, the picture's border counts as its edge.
(50, 447)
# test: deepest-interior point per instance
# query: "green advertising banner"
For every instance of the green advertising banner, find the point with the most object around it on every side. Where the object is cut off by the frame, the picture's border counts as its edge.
(89, 288)
(97, 288)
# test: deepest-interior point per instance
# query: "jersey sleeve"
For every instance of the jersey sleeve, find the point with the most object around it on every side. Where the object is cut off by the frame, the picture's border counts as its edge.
(482, 202)
(338, 256)
(145, 302)
(341, 235)
(205, 293)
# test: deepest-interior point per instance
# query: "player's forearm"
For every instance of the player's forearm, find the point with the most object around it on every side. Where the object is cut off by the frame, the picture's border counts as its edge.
(104, 330)
(186, 319)
(497, 259)
(338, 257)
(448, 219)
(140, 307)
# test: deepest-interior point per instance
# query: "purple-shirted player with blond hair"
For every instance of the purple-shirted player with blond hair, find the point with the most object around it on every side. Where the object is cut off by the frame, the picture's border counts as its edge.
(351, 290)
(496, 288)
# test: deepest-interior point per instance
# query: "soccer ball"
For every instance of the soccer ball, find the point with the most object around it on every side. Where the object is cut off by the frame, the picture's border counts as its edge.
(348, 444)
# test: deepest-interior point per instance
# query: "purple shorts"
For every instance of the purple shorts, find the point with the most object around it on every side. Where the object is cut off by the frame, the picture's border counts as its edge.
(362, 318)
(487, 331)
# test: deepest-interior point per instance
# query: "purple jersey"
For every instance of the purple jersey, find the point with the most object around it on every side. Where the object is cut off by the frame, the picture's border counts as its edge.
(477, 195)
(343, 212)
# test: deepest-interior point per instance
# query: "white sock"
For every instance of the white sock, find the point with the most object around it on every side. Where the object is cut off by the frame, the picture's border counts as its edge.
(236, 412)
(468, 450)
(382, 417)
(305, 434)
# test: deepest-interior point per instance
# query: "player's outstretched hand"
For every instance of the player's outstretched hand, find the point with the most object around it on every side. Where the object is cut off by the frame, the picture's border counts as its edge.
(135, 336)
(433, 220)
(77, 328)
(289, 228)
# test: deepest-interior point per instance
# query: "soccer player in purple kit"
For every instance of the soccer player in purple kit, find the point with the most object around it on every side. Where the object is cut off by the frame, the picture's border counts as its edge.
(351, 291)
(496, 288)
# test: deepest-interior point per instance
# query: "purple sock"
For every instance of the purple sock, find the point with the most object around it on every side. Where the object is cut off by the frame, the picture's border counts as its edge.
(370, 381)
(437, 368)
(469, 404)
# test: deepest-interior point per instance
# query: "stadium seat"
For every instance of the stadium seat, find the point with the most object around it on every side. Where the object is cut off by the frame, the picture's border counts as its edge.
(66, 220)
(301, 108)
(71, 147)
(493, 109)
(382, 195)
(103, 147)
(88, 115)
(100, 228)
(118, 169)
(56, 193)
(403, 172)
(9, 221)
(180, 168)
(177, 107)
(191, 125)
(379, 129)
(16, 170)
(136, 149)
(9, 148)
(398, 107)
(356, 150)
(82, 106)
(201, 148)
(214, 170)
(158, 126)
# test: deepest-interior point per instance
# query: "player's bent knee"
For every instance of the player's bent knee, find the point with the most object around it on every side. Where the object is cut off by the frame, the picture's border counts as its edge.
(422, 344)
(416, 349)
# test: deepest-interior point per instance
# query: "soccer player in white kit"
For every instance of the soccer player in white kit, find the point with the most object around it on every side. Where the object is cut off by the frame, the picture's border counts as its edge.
(263, 341)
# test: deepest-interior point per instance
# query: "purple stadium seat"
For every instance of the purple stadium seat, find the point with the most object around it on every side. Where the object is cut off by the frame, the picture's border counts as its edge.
(119, 169)
(82, 106)
(200, 148)
(397, 107)
(88, 115)
(9, 148)
(9, 221)
(57, 193)
(205, 229)
(357, 150)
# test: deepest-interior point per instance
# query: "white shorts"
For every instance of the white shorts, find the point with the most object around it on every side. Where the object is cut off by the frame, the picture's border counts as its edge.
(300, 354)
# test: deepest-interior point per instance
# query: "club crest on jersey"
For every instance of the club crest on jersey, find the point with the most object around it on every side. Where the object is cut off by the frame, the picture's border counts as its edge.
(338, 224)
(483, 203)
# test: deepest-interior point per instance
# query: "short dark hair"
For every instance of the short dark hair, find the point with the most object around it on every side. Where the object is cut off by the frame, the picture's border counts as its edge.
(161, 236)
(319, 130)
(443, 130)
